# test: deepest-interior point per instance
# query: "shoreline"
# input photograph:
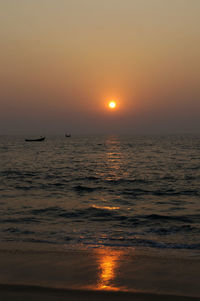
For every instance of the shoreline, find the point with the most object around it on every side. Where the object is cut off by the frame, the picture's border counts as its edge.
(22, 292)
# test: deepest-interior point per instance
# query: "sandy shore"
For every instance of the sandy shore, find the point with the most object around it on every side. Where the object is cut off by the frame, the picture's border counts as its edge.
(97, 274)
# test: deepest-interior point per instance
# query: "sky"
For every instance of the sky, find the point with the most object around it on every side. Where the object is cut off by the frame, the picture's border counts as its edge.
(63, 60)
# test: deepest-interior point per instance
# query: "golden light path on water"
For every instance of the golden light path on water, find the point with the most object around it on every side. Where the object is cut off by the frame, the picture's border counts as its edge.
(112, 161)
(108, 261)
(105, 207)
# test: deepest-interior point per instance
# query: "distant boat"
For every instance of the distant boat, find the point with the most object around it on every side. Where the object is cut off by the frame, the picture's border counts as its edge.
(67, 135)
(38, 139)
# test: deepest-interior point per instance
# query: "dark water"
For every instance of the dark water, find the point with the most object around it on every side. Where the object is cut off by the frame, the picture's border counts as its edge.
(101, 191)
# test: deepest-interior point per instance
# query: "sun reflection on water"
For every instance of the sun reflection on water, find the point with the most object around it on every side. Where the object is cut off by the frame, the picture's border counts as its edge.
(106, 207)
(108, 265)
(114, 160)
(112, 167)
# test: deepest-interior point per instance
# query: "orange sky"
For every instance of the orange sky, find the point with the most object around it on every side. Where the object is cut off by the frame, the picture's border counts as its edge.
(62, 60)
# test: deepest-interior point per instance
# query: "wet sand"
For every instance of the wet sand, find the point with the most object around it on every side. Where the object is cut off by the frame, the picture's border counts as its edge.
(20, 293)
(97, 274)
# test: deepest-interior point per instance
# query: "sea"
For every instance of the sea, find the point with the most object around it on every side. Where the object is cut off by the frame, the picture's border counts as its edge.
(101, 191)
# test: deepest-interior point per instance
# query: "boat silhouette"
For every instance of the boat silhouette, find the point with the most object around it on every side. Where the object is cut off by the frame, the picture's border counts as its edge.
(38, 139)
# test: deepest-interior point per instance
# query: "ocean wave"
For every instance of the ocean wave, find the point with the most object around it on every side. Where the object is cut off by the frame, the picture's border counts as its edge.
(175, 218)
(126, 181)
(13, 174)
(94, 241)
(47, 210)
(18, 231)
(83, 188)
(114, 213)
(174, 229)
(140, 242)
(165, 193)
(20, 220)
(92, 214)
(152, 219)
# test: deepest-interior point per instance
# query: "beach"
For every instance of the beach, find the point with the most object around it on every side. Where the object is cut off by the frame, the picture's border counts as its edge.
(100, 218)
(108, 273)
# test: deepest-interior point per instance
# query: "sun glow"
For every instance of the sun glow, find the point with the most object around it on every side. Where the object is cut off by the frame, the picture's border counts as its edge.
(112, 104)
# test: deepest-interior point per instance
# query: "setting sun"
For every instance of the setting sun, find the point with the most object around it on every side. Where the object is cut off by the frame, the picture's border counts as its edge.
(112, 104)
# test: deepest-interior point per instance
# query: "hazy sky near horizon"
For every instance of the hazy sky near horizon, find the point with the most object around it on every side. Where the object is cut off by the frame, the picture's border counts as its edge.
(62, 60)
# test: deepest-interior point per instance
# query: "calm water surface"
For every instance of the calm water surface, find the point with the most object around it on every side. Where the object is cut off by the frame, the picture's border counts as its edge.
(101, 191)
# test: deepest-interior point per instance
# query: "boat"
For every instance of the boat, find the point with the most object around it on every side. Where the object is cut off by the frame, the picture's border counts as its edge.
(38, 139)
(67, 135)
